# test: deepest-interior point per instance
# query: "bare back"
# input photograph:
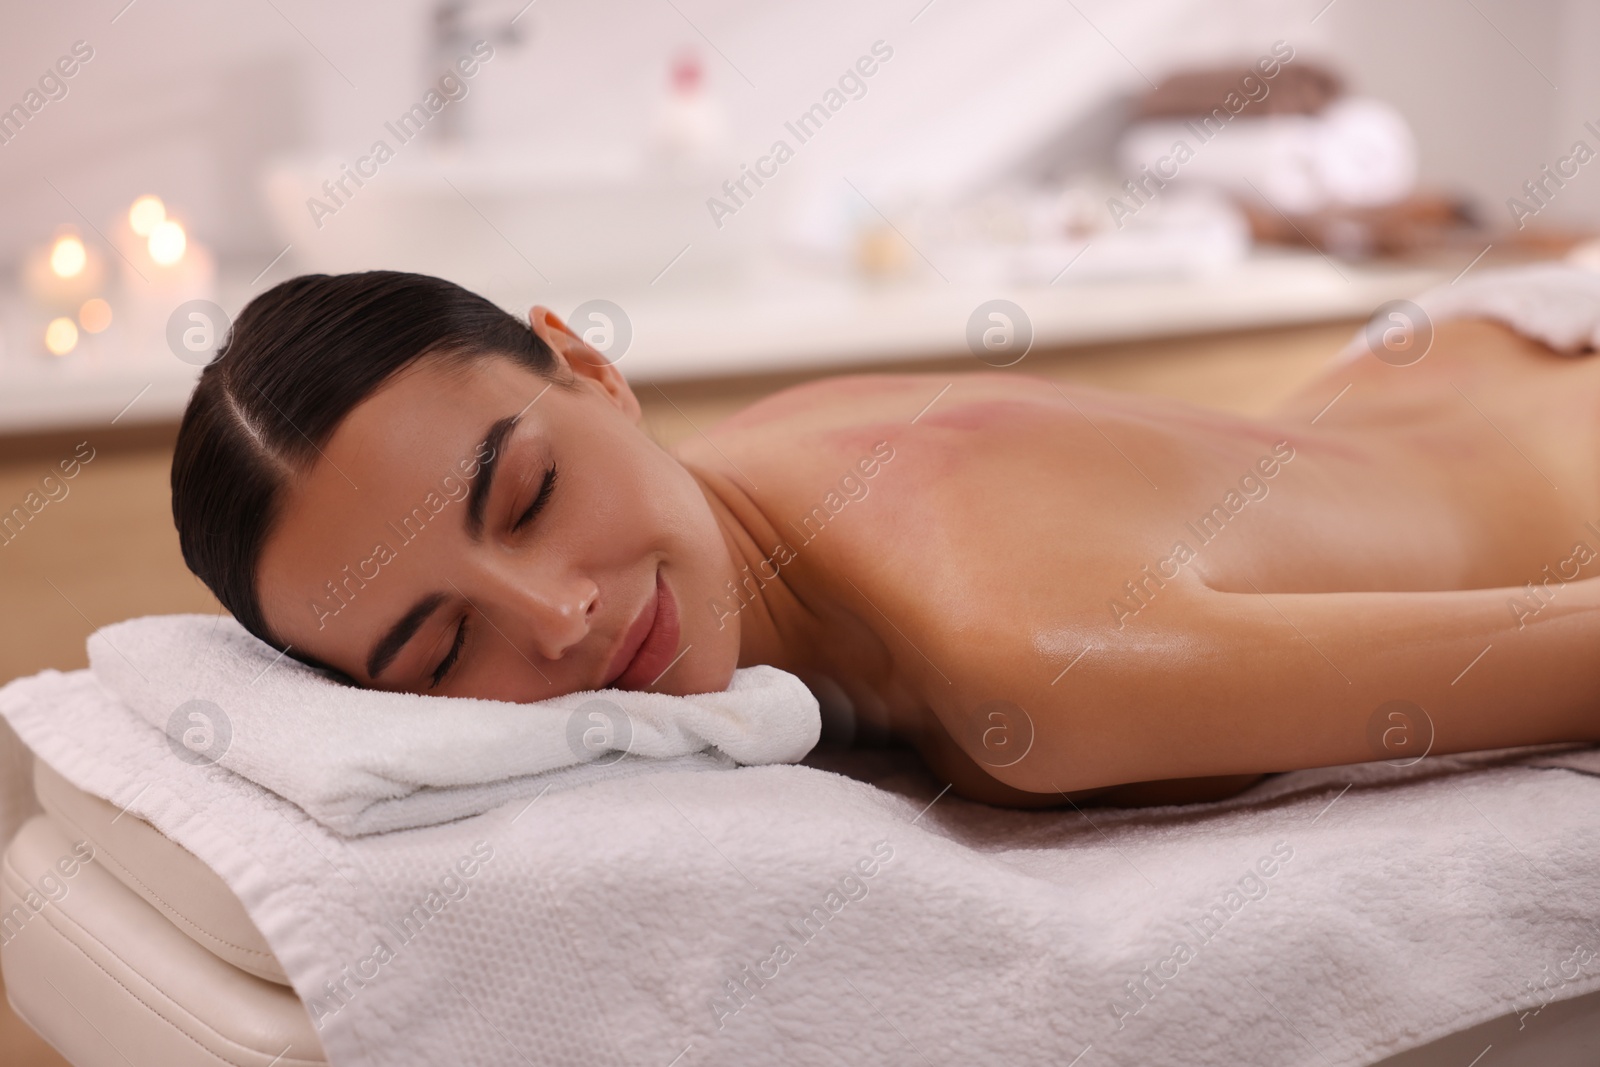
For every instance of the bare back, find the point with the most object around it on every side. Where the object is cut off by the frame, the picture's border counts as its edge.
(1088, 588)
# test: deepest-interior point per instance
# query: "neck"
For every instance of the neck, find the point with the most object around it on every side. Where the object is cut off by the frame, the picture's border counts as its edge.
(775, 626)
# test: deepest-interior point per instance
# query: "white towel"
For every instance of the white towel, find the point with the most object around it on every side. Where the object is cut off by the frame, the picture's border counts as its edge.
(1556, 304)
(362, 761)
(17, 802)
(1331, 917)
(1356, 151)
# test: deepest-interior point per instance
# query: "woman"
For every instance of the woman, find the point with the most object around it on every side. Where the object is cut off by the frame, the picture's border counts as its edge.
(1046, 590)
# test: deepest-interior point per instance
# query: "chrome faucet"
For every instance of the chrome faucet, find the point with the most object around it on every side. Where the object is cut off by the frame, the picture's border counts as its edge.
(456, 27)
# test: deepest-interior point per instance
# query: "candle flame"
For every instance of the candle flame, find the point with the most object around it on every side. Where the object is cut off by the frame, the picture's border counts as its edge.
(61, 336)
(68, 257)
(167, 242)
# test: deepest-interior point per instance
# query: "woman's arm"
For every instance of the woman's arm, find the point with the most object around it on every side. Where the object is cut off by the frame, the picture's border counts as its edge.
(969, 779)
(1244, 683)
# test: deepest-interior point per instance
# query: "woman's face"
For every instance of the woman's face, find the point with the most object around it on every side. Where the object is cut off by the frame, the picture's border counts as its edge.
(471, 530)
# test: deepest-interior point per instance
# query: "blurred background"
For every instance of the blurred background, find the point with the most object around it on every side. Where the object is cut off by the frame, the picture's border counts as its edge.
(932, 155)
(1199, 199)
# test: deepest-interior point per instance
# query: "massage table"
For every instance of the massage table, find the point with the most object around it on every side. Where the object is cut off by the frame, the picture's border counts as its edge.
(148, 958)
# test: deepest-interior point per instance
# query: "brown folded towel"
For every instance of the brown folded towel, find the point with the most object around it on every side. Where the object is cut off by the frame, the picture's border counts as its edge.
(1297, 89)
(1422, 220)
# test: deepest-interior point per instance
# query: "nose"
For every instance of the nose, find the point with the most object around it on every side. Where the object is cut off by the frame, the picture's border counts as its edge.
(547, 609)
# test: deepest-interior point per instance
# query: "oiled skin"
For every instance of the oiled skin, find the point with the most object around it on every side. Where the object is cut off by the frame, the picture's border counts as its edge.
(1379, 565)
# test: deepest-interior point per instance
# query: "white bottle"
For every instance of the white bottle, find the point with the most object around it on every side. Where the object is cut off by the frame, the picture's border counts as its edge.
(690, 126)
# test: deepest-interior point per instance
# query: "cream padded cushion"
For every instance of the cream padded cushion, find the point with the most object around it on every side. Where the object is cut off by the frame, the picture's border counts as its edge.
(167, 875)
(108, 980)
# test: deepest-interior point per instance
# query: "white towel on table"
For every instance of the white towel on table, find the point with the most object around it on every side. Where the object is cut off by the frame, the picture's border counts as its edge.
(1332, 917)
(1356, 151)
(1553, 303)
(363, 761)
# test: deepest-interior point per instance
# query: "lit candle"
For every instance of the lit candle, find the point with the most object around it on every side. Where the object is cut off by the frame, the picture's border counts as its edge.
(68, 257)
(146, 214)
(60, 337)
(162, 266)
(62, 274)
(162, 263)
(167, 242)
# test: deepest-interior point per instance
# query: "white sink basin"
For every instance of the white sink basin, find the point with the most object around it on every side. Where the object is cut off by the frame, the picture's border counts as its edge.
(509, 228)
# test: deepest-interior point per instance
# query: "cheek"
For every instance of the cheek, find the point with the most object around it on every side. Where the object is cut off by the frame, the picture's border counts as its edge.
(687, 531)
(638, 505)
(634, 502)
(698, 568)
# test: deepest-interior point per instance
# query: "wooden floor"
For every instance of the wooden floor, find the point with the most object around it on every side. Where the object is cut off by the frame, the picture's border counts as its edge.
(108, 551)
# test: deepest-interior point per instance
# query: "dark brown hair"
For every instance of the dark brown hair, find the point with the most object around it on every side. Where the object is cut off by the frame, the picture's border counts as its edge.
(297, 360)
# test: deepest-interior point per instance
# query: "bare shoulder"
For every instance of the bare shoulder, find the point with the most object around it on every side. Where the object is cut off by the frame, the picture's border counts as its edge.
(828, 403)
(797, 443)
(842, 412)
(787, 438)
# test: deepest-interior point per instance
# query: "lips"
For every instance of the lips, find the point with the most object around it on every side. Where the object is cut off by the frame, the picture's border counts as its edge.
(650, 643)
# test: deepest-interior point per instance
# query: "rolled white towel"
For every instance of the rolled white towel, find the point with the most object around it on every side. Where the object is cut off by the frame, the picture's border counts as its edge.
(1356, 151)
(361, 761)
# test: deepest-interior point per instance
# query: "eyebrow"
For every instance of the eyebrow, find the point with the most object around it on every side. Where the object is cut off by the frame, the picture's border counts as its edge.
(390, 644)
(483, 480)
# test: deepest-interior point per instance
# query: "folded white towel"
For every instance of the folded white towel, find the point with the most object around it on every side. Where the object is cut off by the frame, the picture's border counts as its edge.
(1549, 302)
(1553, 303)
(361, 761)
(17, 802)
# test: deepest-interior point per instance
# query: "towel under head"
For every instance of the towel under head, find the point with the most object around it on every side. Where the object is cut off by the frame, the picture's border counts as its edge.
(363, 761)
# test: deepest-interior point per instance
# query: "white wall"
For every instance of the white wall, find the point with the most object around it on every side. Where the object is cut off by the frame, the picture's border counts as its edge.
(1493, 88)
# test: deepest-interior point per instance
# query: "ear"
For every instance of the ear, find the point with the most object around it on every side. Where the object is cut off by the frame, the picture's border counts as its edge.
(583, 362)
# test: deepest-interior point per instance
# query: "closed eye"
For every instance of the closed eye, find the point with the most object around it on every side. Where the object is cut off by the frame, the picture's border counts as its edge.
(443, 669)
(539, 501)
